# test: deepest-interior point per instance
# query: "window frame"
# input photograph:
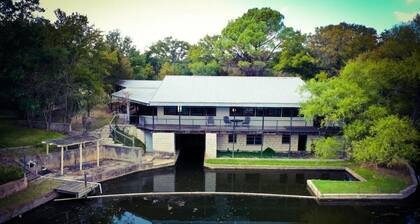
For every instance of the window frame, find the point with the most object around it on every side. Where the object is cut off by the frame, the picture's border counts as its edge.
(254, 139)
(286, 136)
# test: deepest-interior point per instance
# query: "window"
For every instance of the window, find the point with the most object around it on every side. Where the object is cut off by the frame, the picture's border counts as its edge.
(146, 110)
(190, 111)
(290, 112)
(285, 139)
(253, 139)
(232, 138)
(170, 111)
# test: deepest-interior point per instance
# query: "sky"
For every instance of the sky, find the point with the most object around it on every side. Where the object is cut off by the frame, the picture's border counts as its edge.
(146, 22)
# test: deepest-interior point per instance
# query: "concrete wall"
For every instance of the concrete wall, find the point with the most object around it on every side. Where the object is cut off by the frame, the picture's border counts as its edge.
(211, 145)
(71, 156)
(13, 187)
(269, 140)
(163, 142)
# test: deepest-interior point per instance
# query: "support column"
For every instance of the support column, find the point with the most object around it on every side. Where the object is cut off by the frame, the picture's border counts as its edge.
(62, 161)
(48, 148)
(128, 111)
(97, 153)
(80, 157)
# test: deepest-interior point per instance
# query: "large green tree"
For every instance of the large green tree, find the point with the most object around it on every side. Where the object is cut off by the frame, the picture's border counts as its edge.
(334, 45)
(249, 43)
(375, 98)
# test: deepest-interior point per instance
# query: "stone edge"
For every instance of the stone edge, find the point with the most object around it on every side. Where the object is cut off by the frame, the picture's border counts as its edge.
(319, 196)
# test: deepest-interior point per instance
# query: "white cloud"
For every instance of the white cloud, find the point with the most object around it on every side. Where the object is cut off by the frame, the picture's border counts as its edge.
(404, 16)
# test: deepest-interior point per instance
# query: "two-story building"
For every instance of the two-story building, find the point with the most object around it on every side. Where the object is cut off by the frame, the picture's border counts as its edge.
(223, 113)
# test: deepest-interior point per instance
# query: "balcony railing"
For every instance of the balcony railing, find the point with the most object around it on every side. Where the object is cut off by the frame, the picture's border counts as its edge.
(239, 124)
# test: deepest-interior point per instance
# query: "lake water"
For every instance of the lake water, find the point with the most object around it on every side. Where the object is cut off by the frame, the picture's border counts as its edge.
(220, 209)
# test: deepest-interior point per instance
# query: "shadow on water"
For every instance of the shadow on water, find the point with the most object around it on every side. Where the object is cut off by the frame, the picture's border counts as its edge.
(215, 209)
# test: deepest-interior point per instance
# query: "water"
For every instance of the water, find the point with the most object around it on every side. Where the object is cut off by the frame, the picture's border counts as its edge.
(216, 209)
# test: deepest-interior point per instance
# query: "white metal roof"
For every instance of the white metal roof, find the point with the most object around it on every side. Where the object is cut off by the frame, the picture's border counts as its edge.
(148, 84)
(218, 91)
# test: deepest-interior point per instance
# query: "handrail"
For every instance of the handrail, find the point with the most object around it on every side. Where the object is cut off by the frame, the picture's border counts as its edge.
(115, 130)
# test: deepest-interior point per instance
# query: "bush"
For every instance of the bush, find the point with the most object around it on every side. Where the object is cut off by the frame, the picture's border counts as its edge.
(269, 152)
(328, 148)
(10, 173)
(391, 139)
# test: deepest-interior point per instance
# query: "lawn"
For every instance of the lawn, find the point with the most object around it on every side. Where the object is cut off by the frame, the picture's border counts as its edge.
(378, 180)
(13, 135)
(35, 190)
(277, 162)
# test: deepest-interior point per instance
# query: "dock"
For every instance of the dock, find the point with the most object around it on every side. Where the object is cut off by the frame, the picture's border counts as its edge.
(76, 188)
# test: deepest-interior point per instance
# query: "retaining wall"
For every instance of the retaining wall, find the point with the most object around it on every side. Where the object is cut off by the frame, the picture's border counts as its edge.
(72, 156)
(13, 187)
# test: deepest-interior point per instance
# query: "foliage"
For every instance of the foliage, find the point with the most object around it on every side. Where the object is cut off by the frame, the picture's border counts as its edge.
(10, 173)
(334, 45)
(328, 148)
(294, 57)
(269, 152)
(375, 99)
(249, 42)
(390, 139)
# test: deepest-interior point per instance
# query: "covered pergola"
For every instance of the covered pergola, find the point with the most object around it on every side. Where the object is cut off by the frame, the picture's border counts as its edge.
(67, 141)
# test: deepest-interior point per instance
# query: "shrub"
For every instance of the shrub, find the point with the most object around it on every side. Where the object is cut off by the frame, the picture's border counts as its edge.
(10, 173)
(328, 148)
(391, 139)
(269, 152)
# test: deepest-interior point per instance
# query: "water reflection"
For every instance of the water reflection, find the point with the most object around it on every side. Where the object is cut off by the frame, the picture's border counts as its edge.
(216, 209)
(182, 180)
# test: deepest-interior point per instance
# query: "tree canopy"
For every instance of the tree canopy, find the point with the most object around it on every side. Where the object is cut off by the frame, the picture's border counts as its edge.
(375, 98)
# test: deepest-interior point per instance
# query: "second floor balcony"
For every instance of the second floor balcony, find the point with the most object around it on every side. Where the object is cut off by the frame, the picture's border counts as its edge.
(224, 124)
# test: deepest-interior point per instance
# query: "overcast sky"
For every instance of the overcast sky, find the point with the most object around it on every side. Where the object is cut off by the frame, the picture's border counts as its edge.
(149, 21)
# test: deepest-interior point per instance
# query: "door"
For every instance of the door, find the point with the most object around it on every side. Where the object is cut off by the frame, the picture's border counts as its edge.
(302, 143)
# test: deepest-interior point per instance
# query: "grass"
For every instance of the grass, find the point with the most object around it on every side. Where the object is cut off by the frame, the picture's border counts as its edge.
(277, 162)
(378, 180)
(35, 190)
(13, 135)
(10, 173)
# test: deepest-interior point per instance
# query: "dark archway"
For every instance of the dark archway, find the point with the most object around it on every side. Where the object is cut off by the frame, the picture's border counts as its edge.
(190, 149)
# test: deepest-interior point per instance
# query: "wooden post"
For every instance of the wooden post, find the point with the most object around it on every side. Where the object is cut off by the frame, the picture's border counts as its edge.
(48, 147)
(62, 161)
(97, 153)
(80, 157)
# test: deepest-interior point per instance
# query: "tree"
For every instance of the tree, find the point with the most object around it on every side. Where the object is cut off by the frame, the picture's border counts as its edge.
(294, 57)
(169, 50)
(375, 98)
(249, 43)
(334, 45)
(202, 57)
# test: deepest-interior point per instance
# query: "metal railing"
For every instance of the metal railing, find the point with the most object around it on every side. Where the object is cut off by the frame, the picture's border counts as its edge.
(119, 136)
(217, 124)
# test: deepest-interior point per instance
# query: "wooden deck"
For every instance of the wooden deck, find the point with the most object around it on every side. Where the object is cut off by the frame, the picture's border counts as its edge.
(76, 188)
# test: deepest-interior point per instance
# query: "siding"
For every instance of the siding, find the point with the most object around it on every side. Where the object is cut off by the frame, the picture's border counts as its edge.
(272, 141)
